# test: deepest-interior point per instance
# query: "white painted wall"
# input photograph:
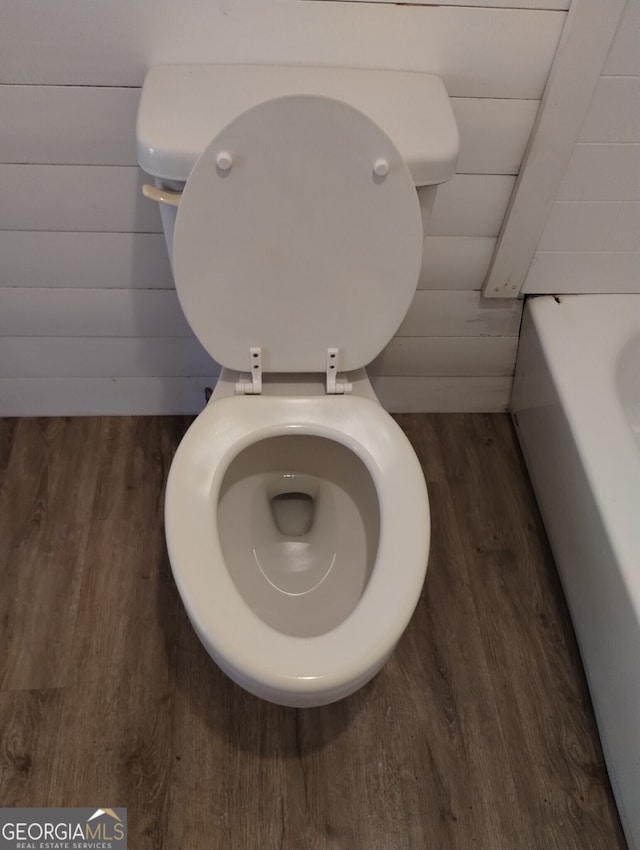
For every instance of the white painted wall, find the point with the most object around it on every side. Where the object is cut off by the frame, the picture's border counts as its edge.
(89, 321)
(591, 241)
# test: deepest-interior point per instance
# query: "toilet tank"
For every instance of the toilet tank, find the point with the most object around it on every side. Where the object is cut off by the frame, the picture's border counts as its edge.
(182, 108)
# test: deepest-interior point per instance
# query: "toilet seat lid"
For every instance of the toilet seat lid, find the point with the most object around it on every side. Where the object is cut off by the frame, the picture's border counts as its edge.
(299, 245)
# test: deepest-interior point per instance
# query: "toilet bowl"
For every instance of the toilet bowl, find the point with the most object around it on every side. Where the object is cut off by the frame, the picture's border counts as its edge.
(294, 638)
(297, 523)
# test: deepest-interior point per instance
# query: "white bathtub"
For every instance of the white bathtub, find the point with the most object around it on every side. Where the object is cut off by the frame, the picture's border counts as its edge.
(576, 407)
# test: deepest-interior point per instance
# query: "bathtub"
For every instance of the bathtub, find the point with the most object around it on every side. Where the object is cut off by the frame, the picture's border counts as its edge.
(576, 409)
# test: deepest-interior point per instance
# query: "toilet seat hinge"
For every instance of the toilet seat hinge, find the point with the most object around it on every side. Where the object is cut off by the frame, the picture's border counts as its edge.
(336, 385)
(251, 384)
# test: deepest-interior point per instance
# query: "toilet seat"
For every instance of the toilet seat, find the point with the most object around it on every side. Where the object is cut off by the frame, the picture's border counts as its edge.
(299, 230)
(266, 662)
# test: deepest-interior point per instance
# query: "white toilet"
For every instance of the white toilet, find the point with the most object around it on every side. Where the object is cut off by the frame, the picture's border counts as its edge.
(297, 516)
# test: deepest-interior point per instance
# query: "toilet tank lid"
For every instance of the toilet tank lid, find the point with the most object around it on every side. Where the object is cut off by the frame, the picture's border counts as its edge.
(183, 107)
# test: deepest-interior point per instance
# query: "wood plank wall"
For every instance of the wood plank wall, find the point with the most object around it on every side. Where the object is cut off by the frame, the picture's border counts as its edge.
(89, 320)
(591, 242)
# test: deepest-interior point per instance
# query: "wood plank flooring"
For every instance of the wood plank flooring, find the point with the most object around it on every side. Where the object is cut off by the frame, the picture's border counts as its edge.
(477, 735)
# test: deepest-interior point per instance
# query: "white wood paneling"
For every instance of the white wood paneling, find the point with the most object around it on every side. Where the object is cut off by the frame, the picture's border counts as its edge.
(30, 311)
(455, 262)
(85, 260)
(125, 357)
(114, 43)
(591, 226)
(560, 272)
(602, 172)
(95, 125)
(470, 205)
(103, 357)
(75, 198)
(493, 133)
(499, 4)
(460, 313)
(624, 55)
(158, 396)
(89, 319)
(442, 395)
(108, 198)
(586, 38)
(139, 260)
(77, 125)
(591, 241)
(102, 396)
(614, 112)
(444, 356)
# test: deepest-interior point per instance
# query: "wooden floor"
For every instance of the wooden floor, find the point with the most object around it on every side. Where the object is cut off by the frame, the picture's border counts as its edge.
(477, 735)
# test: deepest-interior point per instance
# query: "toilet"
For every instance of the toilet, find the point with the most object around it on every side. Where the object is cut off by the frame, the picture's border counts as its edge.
(296, 512)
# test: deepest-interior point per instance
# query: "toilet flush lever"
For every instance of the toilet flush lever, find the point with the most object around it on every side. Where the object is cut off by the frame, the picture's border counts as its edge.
(162, 196)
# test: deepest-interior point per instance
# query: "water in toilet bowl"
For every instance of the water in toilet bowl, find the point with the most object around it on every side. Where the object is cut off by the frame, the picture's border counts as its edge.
(293, 512)
(298, 521)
